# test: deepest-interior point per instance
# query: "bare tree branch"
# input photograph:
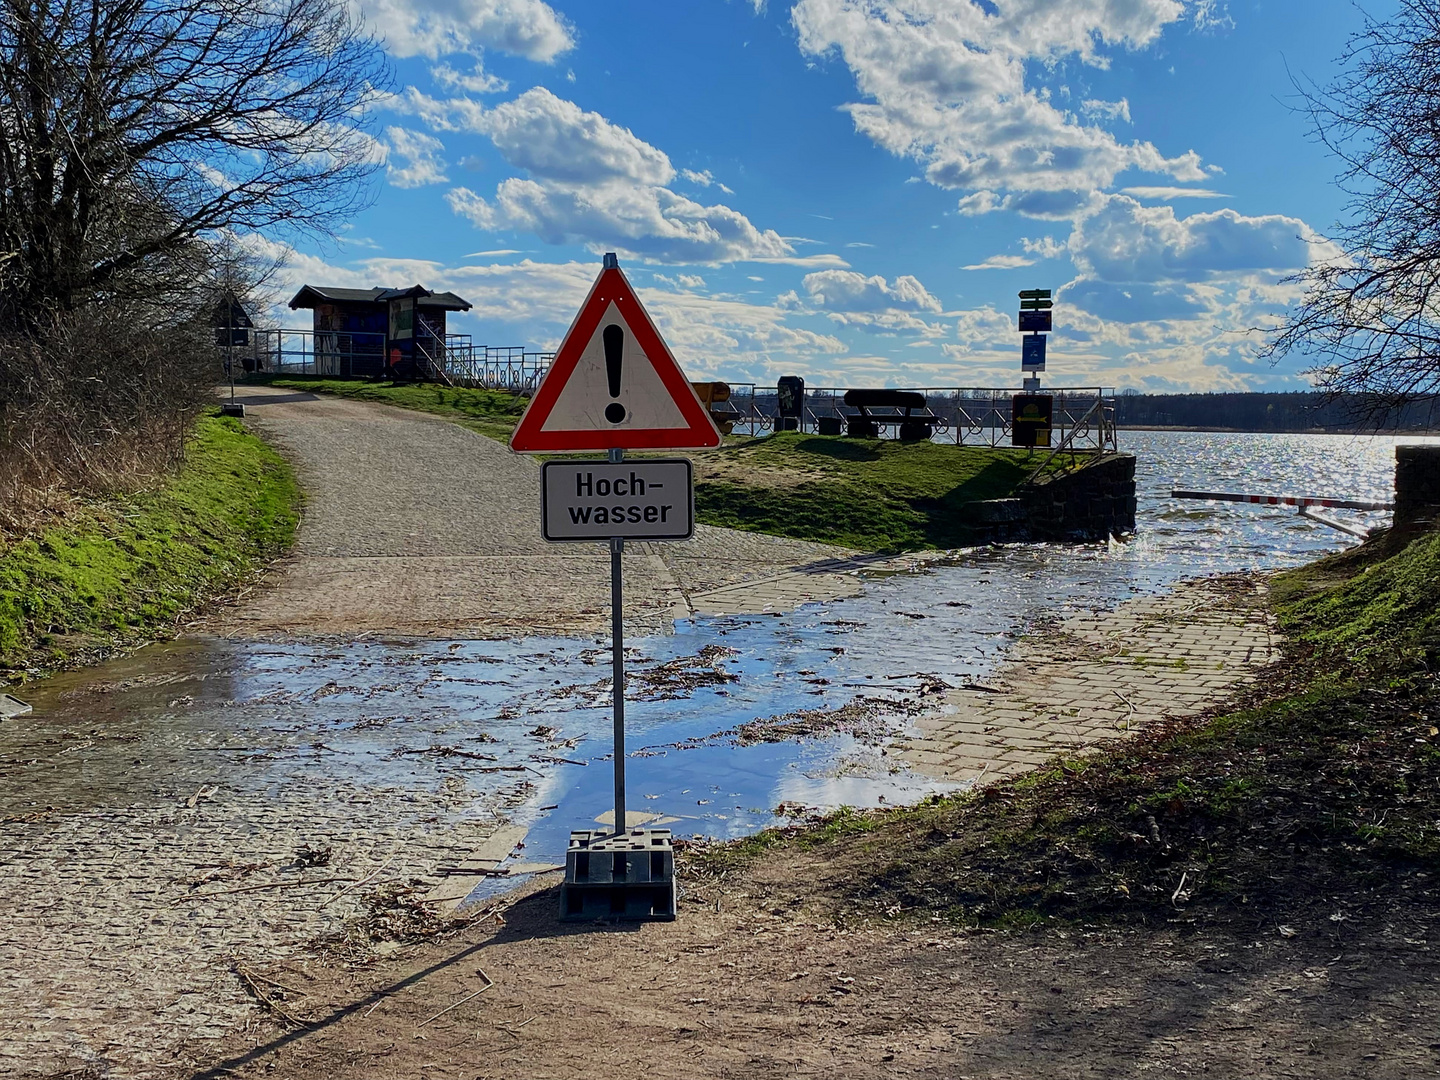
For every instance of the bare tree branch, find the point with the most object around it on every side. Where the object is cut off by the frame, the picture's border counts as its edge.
(1370, 321)
(131, 128)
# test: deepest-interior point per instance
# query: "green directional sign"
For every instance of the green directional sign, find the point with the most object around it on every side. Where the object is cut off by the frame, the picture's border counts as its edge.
(1035, 305)
(1034, 294)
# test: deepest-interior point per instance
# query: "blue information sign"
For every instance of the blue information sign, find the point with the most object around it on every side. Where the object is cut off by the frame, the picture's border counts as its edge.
(1032, 353)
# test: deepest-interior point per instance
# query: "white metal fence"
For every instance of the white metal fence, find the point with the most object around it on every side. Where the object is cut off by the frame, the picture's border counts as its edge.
(1082, 418)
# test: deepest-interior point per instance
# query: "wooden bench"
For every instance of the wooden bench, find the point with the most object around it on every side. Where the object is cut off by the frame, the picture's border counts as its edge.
(903, 409)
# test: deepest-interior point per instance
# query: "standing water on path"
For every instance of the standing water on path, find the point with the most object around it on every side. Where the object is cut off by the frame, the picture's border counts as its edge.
(730, 717)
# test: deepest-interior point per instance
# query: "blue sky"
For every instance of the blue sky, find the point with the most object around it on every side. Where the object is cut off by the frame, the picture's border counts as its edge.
(854, 190)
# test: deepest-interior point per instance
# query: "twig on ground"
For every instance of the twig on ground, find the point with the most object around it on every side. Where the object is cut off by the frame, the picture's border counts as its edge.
(363, 881)
(267, 885)
(447, 751)
(1179, 887)
(265, 978)
(1131, 706)
(462, 1001)
(245, 974)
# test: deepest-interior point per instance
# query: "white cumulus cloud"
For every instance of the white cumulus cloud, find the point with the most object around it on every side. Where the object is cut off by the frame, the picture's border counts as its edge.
(1046, 247)
(868, 303)
(944, 83)
(704, 178)
(1001, 262)
(435, 28)
(1169, 192)
(1107, 110)
(846, 290)
(478, 81)
(554, 139)
(1128, 242)
(422, 156)
(981, 202)
(594, 182)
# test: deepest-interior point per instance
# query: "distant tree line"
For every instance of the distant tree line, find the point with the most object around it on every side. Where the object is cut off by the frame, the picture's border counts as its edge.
(1299, 411)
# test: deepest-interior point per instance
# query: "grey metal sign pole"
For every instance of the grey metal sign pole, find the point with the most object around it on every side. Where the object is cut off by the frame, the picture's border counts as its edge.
(585, 405)
(617, 665)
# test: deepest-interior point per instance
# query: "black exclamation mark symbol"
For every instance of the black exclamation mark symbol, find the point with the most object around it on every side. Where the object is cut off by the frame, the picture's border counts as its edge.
(614, 350)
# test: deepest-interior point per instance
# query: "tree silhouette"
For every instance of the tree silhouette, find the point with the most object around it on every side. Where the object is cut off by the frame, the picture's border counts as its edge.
(1370, 319)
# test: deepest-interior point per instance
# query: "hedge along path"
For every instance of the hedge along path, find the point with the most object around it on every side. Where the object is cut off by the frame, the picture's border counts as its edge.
(120, 570)
(416, 526)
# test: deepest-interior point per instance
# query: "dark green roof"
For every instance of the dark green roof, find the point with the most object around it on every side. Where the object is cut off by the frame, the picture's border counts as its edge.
(310, 295)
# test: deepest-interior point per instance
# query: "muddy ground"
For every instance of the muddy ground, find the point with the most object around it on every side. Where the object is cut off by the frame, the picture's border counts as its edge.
(763, 976)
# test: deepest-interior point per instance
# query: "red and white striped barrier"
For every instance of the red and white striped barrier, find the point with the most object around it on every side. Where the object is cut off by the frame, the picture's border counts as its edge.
(1284, 500)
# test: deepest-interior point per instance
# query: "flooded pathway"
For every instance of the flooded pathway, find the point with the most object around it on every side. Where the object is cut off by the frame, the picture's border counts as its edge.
(174, 820)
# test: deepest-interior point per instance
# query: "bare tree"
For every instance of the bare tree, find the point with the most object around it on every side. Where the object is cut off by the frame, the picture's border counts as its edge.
(130, 130)
(1370, 320)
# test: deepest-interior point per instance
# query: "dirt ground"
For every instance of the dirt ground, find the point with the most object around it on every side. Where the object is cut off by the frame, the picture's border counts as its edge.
(761, 976)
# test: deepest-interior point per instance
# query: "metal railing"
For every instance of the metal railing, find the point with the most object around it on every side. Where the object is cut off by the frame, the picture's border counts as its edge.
(494, 367)
(1305, 504)
(458, 361)
(304, 352)
(1082, 418)
(1095, 415)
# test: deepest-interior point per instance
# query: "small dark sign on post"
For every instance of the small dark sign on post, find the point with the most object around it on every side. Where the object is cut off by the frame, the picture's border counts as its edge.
(790, 398)
(1030, 420)
(1032, 353)
(1035, 322)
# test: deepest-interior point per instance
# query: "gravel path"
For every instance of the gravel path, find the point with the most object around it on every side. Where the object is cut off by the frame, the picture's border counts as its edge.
(416, 526)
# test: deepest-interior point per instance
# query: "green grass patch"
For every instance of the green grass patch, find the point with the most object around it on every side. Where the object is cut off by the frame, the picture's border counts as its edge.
(493, 413)
(123, 569)
(871, 494)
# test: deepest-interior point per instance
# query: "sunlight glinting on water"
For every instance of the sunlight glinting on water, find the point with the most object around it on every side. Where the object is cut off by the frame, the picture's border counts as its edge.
(530, 718)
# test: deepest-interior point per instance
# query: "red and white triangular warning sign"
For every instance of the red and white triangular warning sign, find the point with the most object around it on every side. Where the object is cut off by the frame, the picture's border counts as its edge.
(613, 384)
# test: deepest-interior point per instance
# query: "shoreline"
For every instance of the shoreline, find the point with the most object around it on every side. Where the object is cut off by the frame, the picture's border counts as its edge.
(1397, 433)
(124, 571)
(204, 802)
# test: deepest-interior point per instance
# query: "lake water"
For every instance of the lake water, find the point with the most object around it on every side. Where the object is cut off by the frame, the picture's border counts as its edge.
(282, 720)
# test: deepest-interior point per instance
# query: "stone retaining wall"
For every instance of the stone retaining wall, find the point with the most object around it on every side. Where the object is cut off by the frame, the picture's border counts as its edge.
(1417, 485)
(1089, 504)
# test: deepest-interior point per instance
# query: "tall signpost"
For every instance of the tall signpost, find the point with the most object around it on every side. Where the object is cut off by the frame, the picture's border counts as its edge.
(614, 386)
(1031, 411)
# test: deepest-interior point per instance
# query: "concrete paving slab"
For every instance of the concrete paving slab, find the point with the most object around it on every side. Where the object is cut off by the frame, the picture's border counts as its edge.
(1096, 679)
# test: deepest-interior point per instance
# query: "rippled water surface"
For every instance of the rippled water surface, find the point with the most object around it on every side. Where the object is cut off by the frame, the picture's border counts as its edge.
(530, 718)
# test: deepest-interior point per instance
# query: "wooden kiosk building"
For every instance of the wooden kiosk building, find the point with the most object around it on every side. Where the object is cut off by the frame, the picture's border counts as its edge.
(368, 333)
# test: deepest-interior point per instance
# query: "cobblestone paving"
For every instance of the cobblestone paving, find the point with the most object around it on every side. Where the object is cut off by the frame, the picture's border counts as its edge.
(149, 850)
(1099, 677)
(417, 526)
(150, 825)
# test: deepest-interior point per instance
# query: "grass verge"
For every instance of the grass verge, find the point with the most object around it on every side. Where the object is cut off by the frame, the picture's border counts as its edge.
(124, 569)
(1321, 791)
(871, 494)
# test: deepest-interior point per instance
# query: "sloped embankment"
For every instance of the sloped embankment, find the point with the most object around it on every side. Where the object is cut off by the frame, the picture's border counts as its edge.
(117, 571)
